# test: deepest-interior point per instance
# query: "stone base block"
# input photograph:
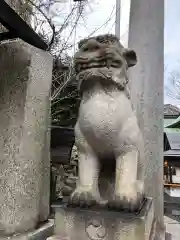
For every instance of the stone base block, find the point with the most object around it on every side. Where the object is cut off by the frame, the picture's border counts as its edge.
(97, 224)
(43, 232)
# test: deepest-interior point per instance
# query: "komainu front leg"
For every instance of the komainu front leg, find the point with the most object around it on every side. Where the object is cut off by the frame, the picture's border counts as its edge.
(87, 193)
(129, 192)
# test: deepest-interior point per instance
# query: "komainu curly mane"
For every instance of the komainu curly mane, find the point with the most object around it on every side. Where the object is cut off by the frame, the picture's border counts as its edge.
(108, 138)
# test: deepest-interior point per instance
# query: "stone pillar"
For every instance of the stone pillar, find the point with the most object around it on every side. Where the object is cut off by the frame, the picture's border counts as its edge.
(45, 187)
(25, 84)
(146, 37)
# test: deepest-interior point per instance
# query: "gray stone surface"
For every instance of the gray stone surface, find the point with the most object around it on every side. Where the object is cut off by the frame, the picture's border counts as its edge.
(25, 83)
(146, 37)
(76, 223)
(66, 175)
(172, 228)
(45, 183)
(42, 233)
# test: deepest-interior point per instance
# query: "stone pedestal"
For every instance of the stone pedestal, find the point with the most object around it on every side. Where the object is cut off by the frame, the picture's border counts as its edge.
(77, 223)
(25, 84)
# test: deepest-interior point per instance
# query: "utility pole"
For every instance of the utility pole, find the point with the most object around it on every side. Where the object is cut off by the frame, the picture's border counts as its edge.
(118, 17)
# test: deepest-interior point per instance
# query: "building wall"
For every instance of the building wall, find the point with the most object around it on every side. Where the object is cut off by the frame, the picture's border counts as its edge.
(176, 178)
(173, 192)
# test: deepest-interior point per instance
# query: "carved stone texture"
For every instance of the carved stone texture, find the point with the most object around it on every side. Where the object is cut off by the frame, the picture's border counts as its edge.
(100, 224)
(65, 180)
(70, 173)
(66, 175)
(108, 138)
(25, 85)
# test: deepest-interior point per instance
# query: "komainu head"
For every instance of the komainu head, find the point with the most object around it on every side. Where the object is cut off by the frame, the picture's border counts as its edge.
(103, 59)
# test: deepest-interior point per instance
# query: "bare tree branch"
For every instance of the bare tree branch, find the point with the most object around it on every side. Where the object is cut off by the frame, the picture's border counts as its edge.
(48, 20)
(172, 88)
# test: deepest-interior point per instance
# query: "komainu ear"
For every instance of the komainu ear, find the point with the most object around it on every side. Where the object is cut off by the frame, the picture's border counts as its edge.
(130, 57)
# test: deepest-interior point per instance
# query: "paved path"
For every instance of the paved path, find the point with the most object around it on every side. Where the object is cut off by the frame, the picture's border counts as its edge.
(172, 228)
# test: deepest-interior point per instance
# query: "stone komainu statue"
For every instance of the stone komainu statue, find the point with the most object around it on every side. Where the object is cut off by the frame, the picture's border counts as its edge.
(108, 138)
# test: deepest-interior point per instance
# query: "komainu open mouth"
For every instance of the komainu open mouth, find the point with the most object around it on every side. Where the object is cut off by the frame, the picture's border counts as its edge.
(96, 64)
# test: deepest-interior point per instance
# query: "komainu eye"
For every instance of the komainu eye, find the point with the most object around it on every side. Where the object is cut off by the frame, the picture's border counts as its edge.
(96, 47)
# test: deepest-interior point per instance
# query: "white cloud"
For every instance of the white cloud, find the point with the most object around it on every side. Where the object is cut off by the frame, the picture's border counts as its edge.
(102, 19)
(125, 8)
(99, 18)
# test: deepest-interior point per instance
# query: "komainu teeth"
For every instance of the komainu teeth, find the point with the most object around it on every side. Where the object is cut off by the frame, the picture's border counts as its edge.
(99, 64)
(108, 62)
(78, 68)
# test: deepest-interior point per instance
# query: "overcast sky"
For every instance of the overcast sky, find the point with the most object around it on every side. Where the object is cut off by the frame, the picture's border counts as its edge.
(99, 17)
(172, 40)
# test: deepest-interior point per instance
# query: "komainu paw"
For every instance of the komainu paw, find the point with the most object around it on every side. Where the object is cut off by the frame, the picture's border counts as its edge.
(82, 199)
(126, 204)
(129, 200)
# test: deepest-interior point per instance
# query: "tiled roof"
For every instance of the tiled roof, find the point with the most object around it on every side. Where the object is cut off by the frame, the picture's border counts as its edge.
(174, 140)
(171, 110)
